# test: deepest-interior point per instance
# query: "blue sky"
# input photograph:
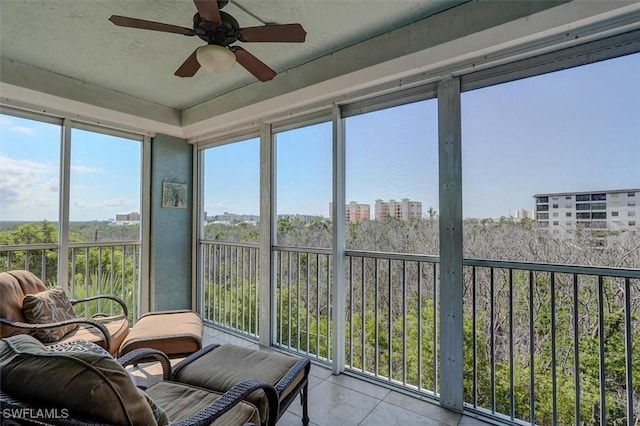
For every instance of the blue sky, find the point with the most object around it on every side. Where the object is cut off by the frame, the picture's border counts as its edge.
(574, 130)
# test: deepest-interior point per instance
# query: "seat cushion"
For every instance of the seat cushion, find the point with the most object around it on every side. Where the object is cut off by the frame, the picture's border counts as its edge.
(180, 401)
(87, 384)
(46, 307)
(118, 327)
(228, 365)
(176, 333)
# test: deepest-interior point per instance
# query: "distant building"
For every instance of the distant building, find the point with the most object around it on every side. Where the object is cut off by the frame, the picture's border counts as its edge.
(402, 210)
(525, 214)
(613, 210)
(227, 217)
(127, 217)
(354, 212)
(306, 218)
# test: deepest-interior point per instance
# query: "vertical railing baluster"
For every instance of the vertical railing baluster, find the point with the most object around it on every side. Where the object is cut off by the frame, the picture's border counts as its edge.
(289, 299)
(390, 324)
(351, 311)
(219, 301)
(307, 330)
(532, 389)
(99, 283)
(364, 319)
(419, 325)
(512, 401)
(237, 283)
(628, 348)
(112, 275)
(375, 315)
(435, 327)
(603, 402)
(279, 284)
(474, 336)
(209, 271)
(492, 338)
(328, 307)
(317, 305)
(576, 349)
(298, 306)
(86, 280)
(404, 322)
(43, 265)
(554, 385)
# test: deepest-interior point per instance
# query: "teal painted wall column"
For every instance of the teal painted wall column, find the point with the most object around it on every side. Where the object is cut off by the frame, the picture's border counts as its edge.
(171, 225)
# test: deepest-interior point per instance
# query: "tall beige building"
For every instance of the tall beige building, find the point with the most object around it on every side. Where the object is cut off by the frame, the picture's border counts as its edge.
(402, 210)
(354, 212)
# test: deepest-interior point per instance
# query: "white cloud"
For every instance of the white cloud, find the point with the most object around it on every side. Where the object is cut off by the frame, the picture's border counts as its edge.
(117, 202)
(86, 169)
(27, 131)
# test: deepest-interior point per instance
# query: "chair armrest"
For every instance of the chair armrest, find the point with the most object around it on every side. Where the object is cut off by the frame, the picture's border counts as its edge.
(32, 327)
(231, 398)
(137, 356)
(125, 311)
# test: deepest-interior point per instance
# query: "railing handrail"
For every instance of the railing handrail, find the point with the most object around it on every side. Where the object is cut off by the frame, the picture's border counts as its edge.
(51, 246)
(314, 250)
(231, 243)
(555, 267)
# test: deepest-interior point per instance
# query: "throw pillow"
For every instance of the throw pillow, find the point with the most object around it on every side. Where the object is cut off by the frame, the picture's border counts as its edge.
(47, 307)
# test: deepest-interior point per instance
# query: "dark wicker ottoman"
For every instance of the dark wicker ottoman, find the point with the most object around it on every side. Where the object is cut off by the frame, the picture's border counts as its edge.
(220, 367)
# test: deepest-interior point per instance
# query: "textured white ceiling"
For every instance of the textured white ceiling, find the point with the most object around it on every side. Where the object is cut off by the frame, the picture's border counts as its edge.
(74, 38)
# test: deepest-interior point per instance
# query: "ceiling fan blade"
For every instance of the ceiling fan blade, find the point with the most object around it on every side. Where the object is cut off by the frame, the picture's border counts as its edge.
(288, 33)
(254, 65)
(190, 67)
(124, 21)
(208, 10)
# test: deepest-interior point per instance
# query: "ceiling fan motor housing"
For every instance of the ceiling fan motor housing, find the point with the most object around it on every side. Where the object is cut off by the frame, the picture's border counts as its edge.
(222, 35)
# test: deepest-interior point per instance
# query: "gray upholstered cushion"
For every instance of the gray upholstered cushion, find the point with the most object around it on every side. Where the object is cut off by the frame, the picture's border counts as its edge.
(88, 384)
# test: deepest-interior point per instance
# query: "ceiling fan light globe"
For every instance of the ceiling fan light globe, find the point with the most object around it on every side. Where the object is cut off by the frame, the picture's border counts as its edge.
(215, 58)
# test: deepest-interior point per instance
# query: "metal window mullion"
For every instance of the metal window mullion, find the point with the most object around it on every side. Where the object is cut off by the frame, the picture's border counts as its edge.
(512, 401)
(63, 209)
(451, 256)
(146, 297)
(338, 241)
(554, 386)
(602, 380)
(267, 289)
(419, 384)
(474, 336)
(576, 349)
(532, 377)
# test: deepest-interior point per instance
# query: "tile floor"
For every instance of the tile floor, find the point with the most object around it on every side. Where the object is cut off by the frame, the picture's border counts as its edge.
(343, 400)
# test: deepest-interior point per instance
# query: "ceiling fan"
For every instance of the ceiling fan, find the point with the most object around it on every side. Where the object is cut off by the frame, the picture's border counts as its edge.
(220, 30)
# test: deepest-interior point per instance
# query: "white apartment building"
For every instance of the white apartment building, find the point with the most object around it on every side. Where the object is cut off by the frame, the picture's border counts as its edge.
(127, 217)
(403, 209)
(525, 214)
(614, 210)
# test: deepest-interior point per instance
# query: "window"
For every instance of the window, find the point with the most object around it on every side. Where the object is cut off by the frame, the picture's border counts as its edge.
(105, 189)
(568, 205)
(543, 216)
(391, 166)
(555, 206)
(567, 197)
(598, 206)
(568, 214)
(543, 208)
(555, 214)
(631, 194)
(555, 223)
(231, 212)
(631, 214)
(598, 197)
(569, 223)
(543, 199)
(599, 215)
(304, 186)
(583, 197)
(554, 198)
(631, 204)
(584, 206)
(614, 214)
(583, 216)
(632, 223)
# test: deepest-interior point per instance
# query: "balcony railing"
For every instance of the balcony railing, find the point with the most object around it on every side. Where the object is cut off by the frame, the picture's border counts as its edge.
(230, 286)
(543, 343)
(94, 268)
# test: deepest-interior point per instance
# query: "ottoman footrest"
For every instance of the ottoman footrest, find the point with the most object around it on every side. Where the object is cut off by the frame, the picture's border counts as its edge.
(176, 333)
(219, 367)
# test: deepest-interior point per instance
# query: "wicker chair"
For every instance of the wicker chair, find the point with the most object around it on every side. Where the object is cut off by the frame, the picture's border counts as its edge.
(107, 331)
(183, 404)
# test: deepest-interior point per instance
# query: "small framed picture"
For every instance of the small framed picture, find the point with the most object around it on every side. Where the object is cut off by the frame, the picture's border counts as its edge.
(174, 195)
